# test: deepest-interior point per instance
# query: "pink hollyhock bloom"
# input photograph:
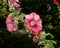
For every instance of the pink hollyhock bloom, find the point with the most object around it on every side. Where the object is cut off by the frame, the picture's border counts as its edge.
(34, 23)
(10, 24)
(55, 1)
(12, 2)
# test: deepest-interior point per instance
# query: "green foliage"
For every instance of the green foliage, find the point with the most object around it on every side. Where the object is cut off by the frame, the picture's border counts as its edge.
(3, 8)
(21, 17)
(16, 22)
(45, 42)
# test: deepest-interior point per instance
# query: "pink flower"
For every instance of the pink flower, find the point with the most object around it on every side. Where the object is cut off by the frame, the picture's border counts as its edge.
(11, 27)
(55, 1)
(36, 39)
(10, 24)
(12, 2)
(17, 7)
(34, 23)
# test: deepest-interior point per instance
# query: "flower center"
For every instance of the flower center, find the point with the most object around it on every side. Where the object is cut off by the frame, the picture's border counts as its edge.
(10, 0)
(32, 23)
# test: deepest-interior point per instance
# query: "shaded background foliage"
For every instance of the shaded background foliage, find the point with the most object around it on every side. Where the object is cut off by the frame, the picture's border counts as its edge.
(50, 18)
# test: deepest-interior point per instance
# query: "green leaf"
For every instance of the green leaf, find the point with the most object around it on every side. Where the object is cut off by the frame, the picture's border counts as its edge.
(54, 42)
(48, 46)
(50, 26)
(21, 17)
(42, 35)
(50, 35)
(11, 15)
(0, 1)
(11, 8)
(16, 22)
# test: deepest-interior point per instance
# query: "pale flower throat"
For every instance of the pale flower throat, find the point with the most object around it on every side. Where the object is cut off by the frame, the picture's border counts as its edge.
(32, 23)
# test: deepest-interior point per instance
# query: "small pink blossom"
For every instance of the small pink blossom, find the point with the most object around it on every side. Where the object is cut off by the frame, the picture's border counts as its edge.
(12, 2)
(34, 23)
(10, 24)
(36, 39)
(17, 7)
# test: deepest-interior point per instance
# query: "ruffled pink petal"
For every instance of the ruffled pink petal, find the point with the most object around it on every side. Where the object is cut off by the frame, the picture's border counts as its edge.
(17, 0)
(8, 20)
(14, 18)
(30, 17)
(12, 2)
(35, 33)
(15, 28)
(38, 22)
(33, 14)
(10, 27)
(27, 17)
(37, 17)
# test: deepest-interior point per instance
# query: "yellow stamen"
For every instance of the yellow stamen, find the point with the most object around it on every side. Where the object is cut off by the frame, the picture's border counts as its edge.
(32, 23)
